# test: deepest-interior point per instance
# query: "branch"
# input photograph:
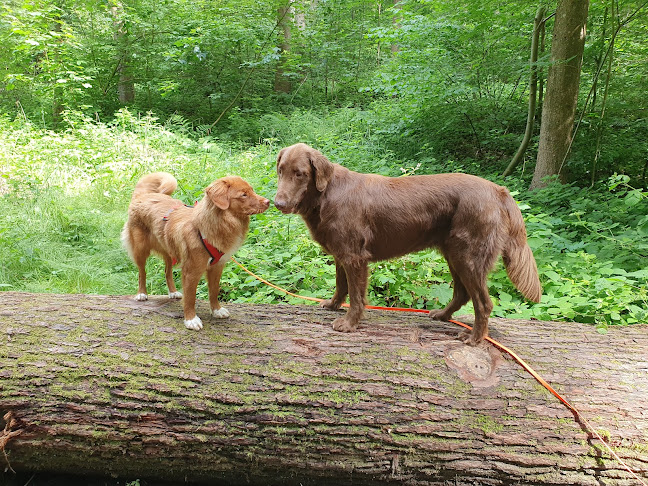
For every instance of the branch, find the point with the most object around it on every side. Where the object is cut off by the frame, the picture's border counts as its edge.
(251, 71)
(533, 88)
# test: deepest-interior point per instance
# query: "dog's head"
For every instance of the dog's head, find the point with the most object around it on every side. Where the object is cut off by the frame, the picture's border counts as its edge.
(301, 171)
(237, 196)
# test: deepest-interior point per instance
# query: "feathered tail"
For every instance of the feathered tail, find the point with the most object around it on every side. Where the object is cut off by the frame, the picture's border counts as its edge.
(518, 258)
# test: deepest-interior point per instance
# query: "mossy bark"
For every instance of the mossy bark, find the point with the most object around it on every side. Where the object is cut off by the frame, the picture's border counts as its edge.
(561, 97)
(106, 385)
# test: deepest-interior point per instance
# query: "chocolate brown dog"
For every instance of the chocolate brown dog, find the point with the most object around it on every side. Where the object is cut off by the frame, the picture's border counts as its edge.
(361, 218)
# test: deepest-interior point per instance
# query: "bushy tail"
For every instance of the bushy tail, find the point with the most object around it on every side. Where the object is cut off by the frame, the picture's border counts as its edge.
(127, 241)
(160, 182)
(518, 258)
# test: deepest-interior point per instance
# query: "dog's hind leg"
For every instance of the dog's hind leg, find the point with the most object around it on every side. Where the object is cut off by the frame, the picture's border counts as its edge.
(459, 297)
(472, 269)
(469, 268)
(483, 306)
(139, 253)
(168, 274)
(341, 289)
(140, 256)
(477, 263)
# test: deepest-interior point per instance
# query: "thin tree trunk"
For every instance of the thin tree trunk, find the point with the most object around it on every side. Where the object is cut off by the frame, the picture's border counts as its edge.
(561, 97)
(533, 92)
(541, 71)
(58, 104)
(126, 82)
(600, 56)
(282, 83)
(609, 52)
(272, 395)
(599, 128)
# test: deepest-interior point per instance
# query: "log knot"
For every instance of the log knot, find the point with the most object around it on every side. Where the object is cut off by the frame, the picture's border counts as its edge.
(476, 365)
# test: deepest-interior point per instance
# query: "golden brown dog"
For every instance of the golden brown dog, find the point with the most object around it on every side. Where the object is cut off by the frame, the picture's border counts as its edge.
(361, 218)
(200, 238)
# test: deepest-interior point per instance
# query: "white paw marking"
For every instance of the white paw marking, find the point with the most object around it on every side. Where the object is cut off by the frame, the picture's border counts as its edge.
(221, 313)
(175, 295)
(195, 324)
(141, 297)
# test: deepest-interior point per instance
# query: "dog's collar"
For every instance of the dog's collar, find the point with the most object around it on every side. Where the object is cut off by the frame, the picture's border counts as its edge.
(214, 253)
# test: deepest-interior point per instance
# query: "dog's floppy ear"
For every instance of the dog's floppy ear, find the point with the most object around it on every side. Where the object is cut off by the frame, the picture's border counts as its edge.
(323, 169)
(218, 193)
(281, 152)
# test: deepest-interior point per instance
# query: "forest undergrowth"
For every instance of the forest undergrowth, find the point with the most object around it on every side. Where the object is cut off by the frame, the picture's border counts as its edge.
(65, 194)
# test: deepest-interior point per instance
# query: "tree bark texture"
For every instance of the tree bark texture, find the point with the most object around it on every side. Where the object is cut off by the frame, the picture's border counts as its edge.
(563, 80)
(272, 395)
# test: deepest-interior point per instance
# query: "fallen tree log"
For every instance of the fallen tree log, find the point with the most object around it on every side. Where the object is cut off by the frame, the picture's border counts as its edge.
(105, 385)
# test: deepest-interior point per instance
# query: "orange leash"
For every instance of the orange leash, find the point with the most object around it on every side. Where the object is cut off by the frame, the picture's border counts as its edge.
(579, 416)
(495, 343)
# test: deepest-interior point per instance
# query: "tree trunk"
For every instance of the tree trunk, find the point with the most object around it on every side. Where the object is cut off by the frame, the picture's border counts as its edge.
(282, 83)
(126, 82)
(561, 96)
(107, 385)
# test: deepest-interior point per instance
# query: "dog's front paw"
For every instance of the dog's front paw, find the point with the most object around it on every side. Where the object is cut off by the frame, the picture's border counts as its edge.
(175, 295)
(221, 313)
(343, 324)
(194, 324)
(141, 297)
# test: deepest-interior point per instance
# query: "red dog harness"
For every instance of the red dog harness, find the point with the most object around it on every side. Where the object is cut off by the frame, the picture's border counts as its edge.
(214, 253)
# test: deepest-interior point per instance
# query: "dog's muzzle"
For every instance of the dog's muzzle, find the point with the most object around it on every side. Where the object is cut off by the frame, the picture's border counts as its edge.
(282, 206)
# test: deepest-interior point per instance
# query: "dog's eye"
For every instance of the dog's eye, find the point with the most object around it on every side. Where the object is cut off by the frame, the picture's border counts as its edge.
(299, 174)
(243, 196)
